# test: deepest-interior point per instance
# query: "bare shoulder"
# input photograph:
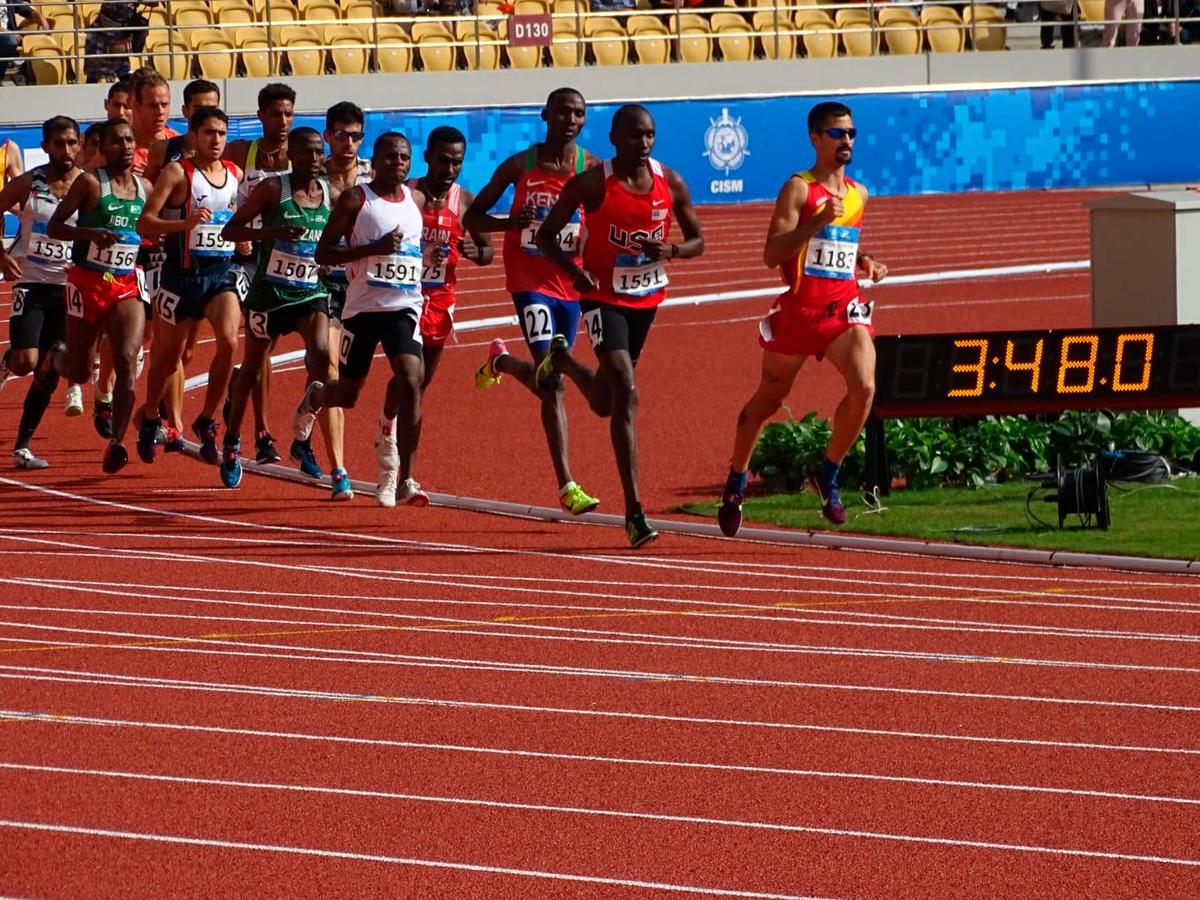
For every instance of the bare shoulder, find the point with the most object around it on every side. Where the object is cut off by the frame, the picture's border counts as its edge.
(862, 191)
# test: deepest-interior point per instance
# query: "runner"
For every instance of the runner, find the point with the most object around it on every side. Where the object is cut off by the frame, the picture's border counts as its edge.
(38, 266)
(344, 168)
(443, 239)
(151, 106)
(119, 102)
(547, 302)
(287, 294)
(622, 279)
(190, 203)
(105, 287)
(380, 223)
(11, 163)
(813, 239)
(197, 94)
(258, 159)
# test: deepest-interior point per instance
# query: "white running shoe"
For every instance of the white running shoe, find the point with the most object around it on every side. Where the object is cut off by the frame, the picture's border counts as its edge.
(386, 452)
(24, 459)
(385, 493)
(74, 405)
(306, 413)
(410, 494)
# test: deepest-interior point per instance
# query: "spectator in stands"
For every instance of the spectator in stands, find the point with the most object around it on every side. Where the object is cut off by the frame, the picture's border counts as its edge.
(118, 30)
(425, 7)
(10, 41)
(612, 5)
(1189, 32)
(1117, 10)
(1062, 11)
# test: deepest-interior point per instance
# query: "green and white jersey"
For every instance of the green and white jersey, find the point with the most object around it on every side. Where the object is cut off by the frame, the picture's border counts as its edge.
(114, 214)
(287, 270)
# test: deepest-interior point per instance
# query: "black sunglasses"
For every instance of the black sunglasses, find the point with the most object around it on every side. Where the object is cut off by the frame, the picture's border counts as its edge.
(838, 133)
(348, 135)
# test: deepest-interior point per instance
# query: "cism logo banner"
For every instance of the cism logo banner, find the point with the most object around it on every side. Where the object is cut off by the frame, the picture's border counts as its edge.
(727, 145)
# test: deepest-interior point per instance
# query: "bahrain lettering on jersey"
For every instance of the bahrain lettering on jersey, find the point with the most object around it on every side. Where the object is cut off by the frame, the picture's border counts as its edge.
(435, 235)
(630, 240)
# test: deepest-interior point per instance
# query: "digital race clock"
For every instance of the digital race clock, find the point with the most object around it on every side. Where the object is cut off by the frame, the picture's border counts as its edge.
(1037, 371)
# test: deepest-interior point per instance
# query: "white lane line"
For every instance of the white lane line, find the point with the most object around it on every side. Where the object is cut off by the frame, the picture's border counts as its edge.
(520, 753)
(427, 624)
(380, 858)
(304, 654)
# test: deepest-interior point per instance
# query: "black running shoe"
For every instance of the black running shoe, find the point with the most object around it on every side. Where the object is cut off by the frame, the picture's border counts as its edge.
(102, 415)
(206, 434)
(638, 530)
(115, 458)
(264, 449)
(147, 447)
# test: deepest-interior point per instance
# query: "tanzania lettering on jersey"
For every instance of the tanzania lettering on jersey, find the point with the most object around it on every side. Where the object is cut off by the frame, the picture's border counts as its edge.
(824, 271)
(626, 276)
(48, 258)
(525, 269)
(287, 270)
(203, 242)
(441, 227)
(119, 216)
(392, 281)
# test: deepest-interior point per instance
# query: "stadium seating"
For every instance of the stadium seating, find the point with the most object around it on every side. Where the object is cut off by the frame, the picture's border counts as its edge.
(943, 29)
(564, 51)
(818, 33)
(518, 57)
(435, 46)
(607, 40)
(855, 29)
(776, 44)
(901, 30)
(395, 52)
(278, 12)
(255, 51)
(44, 57)
(359, 9)
(488, 51)
(319, 11)
(650, 38)
(348, 50)
(302, 49)
(214, 53)
(989, 32)
(167, 54)
(735, 38)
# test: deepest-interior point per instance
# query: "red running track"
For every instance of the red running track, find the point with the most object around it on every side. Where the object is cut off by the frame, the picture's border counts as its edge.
(263, 692)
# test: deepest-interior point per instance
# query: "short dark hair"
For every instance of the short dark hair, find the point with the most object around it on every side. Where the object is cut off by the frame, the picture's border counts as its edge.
(119, 87)
(388, 137)
(200, 86)
(107, 127)
(275, 91)
(345, 111)
(93, 130)
(444, 134)
(203, 114)
(628, 111)
(564, 92)
(823, 112)
(55, 124)
(143, 77)
(304, 132)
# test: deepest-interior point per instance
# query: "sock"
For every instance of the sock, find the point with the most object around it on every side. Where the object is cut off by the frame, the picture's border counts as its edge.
(103, 398)
(562, 491)
(828, 471)
(736, 482)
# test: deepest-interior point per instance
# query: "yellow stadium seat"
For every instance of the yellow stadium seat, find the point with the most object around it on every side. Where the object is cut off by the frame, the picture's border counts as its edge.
(436, 55)
(361, 9)
(854, 26)
(190, 12)
(650, 38)
(606, 37)
(221, 10)
(985, 27)
(255, 51)
(736, 41)
(176, 66)
(395, 52)
(943, 29)
(776, 43)
(349, 49)
(320, 12)
(488, 40)
(691, 20)
(820, 42)
(531, 7)
(577, 8)
(278, 12)
(302, 48)
(431, 28)
(695, 44)
(518, 57)
(565, 49)
(215, 54)
(43, 55)
(805, 16)
(901, 30)
(1091, 10)
(158, 17)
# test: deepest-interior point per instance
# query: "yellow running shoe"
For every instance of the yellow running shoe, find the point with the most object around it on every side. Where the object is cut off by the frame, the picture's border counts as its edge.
(576, 500)
(545, 369)
(486, 375)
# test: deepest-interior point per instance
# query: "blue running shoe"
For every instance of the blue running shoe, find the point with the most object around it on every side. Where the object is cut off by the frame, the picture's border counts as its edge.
(231, 465)
(341, 485)
(206, 433)
(147, 445)
(302, 453)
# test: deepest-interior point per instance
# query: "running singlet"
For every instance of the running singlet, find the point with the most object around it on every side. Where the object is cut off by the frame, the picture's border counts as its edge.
(204, 242)
(141, 155)
(385, 282)
(117, 215)
(824, 271)
(626, 276)
(525, 269)
(441, 226)
(47, 259)
(252, 175)
(287, 270)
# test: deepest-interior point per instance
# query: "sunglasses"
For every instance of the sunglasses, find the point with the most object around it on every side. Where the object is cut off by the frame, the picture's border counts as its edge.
(345, 135)
(838, 133)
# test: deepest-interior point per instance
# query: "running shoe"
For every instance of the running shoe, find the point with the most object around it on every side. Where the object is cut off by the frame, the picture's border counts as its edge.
(638, 530)
(231, 464)
(147, 447)
(228, 404)
(102, 414)
(410, 494)
(385, 493)
(306, 413)
(576, 500)
(302, 453)
(486, 376)
(341, 485)
(205, 430)
(23, 458)
(831, 498)
(545, 369)
(386, 452)
(173, 440)
(265, 450)
(115, 458)
(729, 513)
(74, 406)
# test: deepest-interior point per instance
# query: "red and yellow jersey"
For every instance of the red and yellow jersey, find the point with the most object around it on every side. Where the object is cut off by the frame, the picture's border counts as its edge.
(525, 268)
(825, 269)
(626, 276)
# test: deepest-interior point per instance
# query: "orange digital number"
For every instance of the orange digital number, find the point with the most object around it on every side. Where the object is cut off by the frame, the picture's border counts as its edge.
(1066, 364)
(976, 367)
(1146, 339)
(1033, 367)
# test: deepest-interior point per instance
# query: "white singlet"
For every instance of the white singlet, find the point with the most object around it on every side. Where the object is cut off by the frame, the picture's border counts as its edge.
(44, 260)
(391, 282)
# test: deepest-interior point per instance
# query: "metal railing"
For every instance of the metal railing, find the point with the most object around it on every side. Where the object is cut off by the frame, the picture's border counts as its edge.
(229, 38)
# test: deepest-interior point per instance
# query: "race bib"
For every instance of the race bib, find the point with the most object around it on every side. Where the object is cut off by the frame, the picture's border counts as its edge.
(74, 301)
(257, 323)
(164, 305)
(568, 238)
(537, 323)
(832, 253)
(859, 313)
(593, 324)
(398, 271)
(18, 306)
(433, 275)
(205, 239)
(119, 258)
(292, 265)
(46, 251)
(638, 276)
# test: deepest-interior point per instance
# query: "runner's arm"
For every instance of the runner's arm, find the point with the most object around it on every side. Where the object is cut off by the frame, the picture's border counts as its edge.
(478, 219)
(14, 197)
(155, 160)
(689, 224)
(330, 249)
(586, 190)
(151, 224)
(14, 162)
(785, 235)
(476, 245)
(83, 195)
(263, 201)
